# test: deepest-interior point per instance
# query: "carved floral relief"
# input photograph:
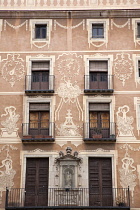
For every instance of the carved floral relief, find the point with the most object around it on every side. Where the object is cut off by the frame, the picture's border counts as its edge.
(13, 68)
(10, 119)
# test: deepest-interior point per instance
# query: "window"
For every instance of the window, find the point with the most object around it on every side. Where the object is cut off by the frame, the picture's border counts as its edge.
(138, 68)
(39, 118)
(99, 120)
(40, 31)
(98, 72)
(138, 30)
(97, 31)
(40, 75)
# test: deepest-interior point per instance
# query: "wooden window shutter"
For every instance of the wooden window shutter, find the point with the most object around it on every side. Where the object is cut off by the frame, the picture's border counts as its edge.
(43, 65)
(98, 66)
(39, 107)
(99, 107)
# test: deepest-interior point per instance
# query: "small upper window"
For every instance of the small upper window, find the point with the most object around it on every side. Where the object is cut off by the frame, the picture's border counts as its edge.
(40, 31)
(138, 68)
(98, 31)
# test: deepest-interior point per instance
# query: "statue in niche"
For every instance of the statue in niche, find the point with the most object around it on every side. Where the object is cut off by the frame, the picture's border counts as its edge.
(68, 178)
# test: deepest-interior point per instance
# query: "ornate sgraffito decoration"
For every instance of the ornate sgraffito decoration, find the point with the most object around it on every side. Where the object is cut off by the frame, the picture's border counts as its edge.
(69, 91)
(123, 67)
(127, 172)
(13, 68)
(7, 172)
(68, 128)
(71, 27)
(10, 122)
(69, 94)
(16, 27)
(70, 66)
(124, 122)
(120, 26)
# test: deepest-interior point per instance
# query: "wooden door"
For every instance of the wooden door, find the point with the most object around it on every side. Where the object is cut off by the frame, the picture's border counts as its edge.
(100, 182)
(36, 187)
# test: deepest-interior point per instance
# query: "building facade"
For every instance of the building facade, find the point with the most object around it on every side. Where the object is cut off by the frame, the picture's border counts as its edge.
(70, 103)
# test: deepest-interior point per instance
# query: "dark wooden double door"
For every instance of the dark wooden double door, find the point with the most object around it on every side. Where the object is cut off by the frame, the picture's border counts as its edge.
(98, 80)
(40, 80)
(36, 187)
(100, 182)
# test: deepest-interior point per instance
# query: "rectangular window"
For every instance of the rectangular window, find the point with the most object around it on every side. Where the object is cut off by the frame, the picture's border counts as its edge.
(40, 75)
(98, 71)
(40, 31)
(39, 118)
(99, 120)
(138, 30)
(98, 31)
(138, 68)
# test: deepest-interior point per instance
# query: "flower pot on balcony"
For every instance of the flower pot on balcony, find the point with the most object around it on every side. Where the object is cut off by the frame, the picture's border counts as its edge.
(121, 204)
(97, 136)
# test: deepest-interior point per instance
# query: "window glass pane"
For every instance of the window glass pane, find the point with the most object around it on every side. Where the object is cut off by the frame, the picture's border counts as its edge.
(44, 119)
(138, 30)
(36, 76)
(45, 76)
(105, 119)
(40, 31)
(93, 77)
(97, 30)
(34, 119)
(103, 77)
(93, 119)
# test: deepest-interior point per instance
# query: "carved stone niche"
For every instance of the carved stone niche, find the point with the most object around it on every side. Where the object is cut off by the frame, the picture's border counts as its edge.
(68, 169)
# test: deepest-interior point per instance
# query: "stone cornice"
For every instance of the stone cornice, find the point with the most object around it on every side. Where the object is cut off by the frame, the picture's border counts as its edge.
(77, 14)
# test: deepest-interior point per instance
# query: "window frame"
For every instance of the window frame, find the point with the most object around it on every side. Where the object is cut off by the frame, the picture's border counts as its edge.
(51, 61)
(92, 40)
(48, 23)
(99, 99)
(99, 57)
(39, 99)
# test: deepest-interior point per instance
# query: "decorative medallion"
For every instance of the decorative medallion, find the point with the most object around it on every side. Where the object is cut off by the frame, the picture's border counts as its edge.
(13, 68)
(123, 67)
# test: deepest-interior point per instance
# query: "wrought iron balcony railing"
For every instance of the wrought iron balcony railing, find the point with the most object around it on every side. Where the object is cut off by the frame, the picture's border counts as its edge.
(37, 130)
(39, 84)
(99, 83)
(67, 197)
(103, 130)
